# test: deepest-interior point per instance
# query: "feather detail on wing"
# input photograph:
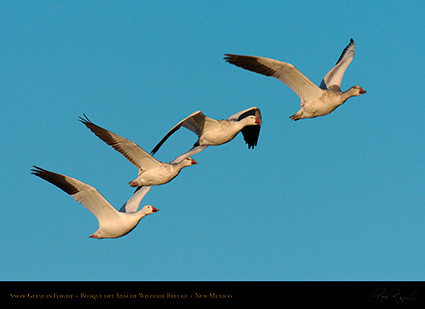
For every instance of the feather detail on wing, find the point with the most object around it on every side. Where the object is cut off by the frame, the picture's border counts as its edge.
(285, 72)
(134, 201)
(83, 193)
(133, 152)
(195, 122)
(333, 78)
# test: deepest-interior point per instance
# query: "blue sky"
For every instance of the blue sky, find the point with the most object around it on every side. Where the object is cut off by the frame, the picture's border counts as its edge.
(338, 197)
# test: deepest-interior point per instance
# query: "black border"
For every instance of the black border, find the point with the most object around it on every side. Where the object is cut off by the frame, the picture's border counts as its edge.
(220, 292)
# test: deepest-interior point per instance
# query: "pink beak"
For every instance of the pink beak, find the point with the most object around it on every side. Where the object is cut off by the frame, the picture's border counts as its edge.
(194, 162)
(362, 91)
(257, 121)
(154, 209)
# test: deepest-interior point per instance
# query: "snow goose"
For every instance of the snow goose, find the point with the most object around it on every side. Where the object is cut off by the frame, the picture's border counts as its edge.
(151, 171)
(315, 101)
(112, 223)
(213, 132)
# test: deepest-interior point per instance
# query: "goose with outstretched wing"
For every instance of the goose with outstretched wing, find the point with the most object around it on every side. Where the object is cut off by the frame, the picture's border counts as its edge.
(213, 132)
(151, 171)
(112, 223)
(315, 101)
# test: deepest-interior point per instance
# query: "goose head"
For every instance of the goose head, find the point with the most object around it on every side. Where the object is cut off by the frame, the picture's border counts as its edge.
(251, 121)
(188, 162)
(356, 91)
(149, 209)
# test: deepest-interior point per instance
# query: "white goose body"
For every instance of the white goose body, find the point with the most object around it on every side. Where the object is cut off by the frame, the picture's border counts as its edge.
(112, 223)
(323, 105)
(315, 101)
(123, 224)
(223, 132)
(151, 171)
(213, 132)
(162, 174)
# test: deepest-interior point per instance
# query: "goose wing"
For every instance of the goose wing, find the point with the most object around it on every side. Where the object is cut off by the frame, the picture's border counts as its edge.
(285, 72)
(196, 122)
(252, 111)
(83, 193)
(250, 133)
(334, 77)
(134, 201)
(133, 152)
(191, 152)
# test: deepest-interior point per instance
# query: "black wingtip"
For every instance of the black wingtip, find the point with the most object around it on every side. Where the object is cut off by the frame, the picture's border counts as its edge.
(36, 170)
(251, 135)
(84, 120)
(230, 58)
(56, 179)
(154, 150)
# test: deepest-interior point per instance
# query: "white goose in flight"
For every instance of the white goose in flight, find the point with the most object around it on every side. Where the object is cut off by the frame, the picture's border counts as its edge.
(151, 171)
(112, 223)
(213, 132)
(315, 101)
